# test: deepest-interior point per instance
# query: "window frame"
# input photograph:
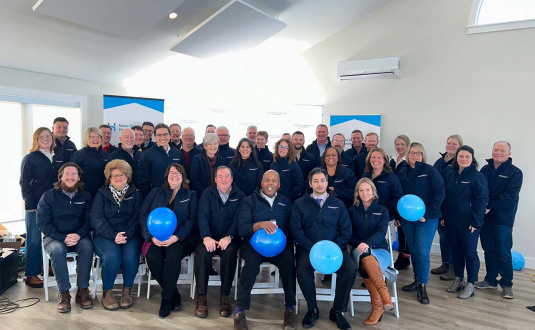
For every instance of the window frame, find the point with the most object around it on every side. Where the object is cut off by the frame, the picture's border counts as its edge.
(473, 28)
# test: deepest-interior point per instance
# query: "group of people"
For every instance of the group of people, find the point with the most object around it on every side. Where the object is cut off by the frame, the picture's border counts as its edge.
(97, 199)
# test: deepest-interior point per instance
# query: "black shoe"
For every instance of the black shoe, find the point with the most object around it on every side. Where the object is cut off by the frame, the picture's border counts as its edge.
(441, 270)
(165, 308)
(402, 262)
(339, 319)
(326, 279)
(310, 318)
(413, 287)
(213, 272)
(422, 294)
(176, 301)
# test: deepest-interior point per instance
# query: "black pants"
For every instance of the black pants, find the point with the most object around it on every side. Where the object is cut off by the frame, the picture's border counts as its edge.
(284, 261)
(165, 264)
(203, 265)
(344, 281)
(403, 247)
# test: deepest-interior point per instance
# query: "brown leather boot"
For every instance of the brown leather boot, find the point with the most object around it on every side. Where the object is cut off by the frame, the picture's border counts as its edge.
(200, 309)
(34, 282)
(126, 299)
(376, 276)
(377, 306)
(64, 302)
(83, 298)
(225, 309)
(108, 302)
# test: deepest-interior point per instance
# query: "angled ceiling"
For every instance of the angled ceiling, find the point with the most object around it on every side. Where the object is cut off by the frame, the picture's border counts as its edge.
(37, 42)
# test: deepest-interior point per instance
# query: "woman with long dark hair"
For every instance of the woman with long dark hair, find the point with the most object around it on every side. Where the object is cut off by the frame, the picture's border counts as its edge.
(247, 171)
(342, 180)
(285, 163)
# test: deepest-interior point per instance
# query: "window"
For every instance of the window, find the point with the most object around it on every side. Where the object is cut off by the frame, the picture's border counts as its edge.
(500, 15)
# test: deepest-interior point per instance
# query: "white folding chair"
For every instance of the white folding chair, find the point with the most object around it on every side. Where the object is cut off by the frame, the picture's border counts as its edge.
(47, 282)
(322, 294)
(119, 279)
(390, 275)
(215, 280)
(266, 287)
(184, 278)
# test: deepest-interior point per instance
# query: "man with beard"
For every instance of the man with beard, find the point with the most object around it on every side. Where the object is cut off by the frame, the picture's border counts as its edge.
(318, 146)
(176, 133)
(188, 147)
(106, 137)
(339, 143)
(359, 161)
(356, 144)
(63, 217)
(305, 159)
(128, 152)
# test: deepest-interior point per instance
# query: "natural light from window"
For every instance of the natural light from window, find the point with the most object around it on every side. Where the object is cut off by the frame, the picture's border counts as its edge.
(501, 11)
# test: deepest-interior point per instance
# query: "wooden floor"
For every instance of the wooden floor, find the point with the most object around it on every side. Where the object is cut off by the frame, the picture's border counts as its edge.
(486, 310)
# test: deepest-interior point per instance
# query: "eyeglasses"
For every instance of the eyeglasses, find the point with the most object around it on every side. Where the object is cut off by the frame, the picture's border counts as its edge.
(415, 153)
(338, 141)
(283, 147)
(148, 131)
(162, 135)
(222, 135)
(175, 173)
(47, 136)
(118, 176)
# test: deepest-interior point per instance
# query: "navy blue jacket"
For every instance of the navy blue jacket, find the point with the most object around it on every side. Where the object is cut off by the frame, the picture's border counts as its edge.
(291, 178)
(226, 152)
(120, 153)
(347, 161)
(152, 166)
(111, 149)
(37, 175)
(65, 150)
(467, 195)
(343, 181)
(351, 152)
(425, 182)
(218, 220)
(359, 164)
(200, 173)
(389, 191)
(311, 223)
(248, 177)
(150, 145)
(256, 208)
(315, 150)
(399, 166)
(185, 208)
(92, 162)
(369, 226)
(504, 184)
(306, 162)
(265, 157)
(58, 215)
(108, 219)
(442, 166)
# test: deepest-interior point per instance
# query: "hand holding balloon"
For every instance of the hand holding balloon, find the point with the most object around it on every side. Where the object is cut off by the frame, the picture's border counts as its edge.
(268, 245)
(268, 226)
(161, 224)
(411, 208)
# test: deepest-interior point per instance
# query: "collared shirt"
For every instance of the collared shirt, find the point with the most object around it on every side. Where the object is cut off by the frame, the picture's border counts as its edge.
(48, 154)
(71, 195)
(270, 200)
(224, 197)
(322, 148)
(146, 144)
(323, 198)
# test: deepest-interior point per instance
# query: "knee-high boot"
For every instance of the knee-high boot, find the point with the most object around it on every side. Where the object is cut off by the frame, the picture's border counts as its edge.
(377, 305)
(371, 265)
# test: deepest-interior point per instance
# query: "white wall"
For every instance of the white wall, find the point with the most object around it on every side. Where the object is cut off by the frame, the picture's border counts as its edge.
(479, 86)
(49, 83)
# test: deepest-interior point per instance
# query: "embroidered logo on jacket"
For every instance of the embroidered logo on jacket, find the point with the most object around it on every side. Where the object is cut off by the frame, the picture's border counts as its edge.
(186, 200)
(422, 175)
(503, 176)
(281, 204)
(332, 207)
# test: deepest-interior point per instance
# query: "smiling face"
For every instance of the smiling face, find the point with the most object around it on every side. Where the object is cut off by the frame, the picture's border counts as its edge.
(162, 137)
(415, 155)
(339, 143)
(175, 133)
(401, 146)
(94, 140)
(138, 139)
(298, 140)
(283, 149)
(260, 142)
(106, 135)
(251, 134)
(118, 179)
(500, 153)
(464, 159)
(175, 178)
(451, 146)
(147, 132)
(365, 193)
(70, 177)
(371, 141)
(270, 183)
(377, 161)
(223, 180)
(44, 140)
(331, 157)
(321, 134)
(318, 183)
(127, 138)
(356, 139)
(188, 137)
(60, 129)
(223, 136)
(211, 148)
(245, 150)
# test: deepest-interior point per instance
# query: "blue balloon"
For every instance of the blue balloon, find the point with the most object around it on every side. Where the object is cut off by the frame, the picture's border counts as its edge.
(326, 257)
(395, 244)
(268, 245)
(518, 260)
(161, 223)
(411, 207)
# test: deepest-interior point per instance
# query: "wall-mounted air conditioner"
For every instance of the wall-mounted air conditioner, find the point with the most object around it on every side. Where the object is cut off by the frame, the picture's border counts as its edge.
(385, 67)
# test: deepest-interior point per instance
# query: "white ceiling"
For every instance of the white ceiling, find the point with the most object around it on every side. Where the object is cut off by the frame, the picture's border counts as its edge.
(36, 42)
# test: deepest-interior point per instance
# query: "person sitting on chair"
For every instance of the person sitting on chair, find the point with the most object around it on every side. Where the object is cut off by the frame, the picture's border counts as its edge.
(63, 217)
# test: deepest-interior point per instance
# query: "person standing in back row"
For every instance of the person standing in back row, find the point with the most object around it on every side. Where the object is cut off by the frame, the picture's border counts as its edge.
(64, 146)
(318, 146)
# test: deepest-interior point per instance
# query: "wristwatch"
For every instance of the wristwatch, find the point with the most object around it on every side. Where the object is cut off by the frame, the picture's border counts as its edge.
(230, 237)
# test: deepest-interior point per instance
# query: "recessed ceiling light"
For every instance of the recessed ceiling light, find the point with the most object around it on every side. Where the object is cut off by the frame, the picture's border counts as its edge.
(173, 15)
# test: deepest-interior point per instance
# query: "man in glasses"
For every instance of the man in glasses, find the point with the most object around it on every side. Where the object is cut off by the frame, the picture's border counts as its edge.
(148, 131)
(224, 149)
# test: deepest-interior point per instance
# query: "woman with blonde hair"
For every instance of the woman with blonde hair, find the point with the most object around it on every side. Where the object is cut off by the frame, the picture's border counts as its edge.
(92, 159)
(38, 172)
(117, 239)
(285, 163)
(370, 249)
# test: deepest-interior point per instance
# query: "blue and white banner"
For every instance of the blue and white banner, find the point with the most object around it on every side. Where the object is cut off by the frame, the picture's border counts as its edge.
(346, 124)
(122, 112)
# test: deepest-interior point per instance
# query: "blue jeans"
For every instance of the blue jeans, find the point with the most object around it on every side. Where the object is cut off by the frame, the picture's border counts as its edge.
(113, 255)
(465, 252)
(34, 255)
(419, 238)
(58, 253)
(497, 242)
(446, 249)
